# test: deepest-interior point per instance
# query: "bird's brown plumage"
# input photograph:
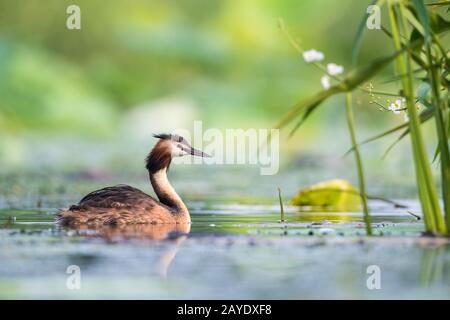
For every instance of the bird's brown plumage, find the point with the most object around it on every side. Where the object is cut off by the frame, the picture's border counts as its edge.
(122, 204)
(118, 205)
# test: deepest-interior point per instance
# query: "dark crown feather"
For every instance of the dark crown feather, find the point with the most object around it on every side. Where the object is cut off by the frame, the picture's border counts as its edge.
(164, 136)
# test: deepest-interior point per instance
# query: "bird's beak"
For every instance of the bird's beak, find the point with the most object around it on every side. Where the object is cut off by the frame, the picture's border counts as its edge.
(199, 153)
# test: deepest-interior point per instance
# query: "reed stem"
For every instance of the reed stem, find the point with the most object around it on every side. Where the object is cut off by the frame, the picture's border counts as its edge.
(427, 190)
(359, 166)
(439, 110)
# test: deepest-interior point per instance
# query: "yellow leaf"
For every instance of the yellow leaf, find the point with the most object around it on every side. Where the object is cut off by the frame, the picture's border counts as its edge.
(333, 195)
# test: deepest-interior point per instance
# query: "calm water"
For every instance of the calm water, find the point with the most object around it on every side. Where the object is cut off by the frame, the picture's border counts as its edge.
(233, 249)
(230, 251)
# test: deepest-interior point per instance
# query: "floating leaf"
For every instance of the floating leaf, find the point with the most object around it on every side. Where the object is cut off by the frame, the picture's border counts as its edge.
(333, 195)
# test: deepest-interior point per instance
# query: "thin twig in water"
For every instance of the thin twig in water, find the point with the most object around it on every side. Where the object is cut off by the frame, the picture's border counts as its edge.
(281, 206)
(414, 215)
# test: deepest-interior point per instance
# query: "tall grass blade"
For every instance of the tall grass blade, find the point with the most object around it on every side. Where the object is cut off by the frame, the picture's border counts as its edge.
(439, 109)
(360, 32)
(354, 78)
(359, 166)
(424, 116)
(427, 189)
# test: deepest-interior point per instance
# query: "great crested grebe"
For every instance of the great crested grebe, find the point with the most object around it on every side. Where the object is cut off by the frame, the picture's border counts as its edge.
(122, 204)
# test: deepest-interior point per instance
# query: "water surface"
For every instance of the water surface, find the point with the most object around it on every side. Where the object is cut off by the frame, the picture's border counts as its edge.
(231, 250)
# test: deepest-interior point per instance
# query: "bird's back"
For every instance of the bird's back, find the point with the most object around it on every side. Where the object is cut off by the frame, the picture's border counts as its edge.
(117, 196)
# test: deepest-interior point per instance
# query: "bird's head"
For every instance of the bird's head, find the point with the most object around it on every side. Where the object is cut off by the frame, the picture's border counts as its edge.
(168, 147)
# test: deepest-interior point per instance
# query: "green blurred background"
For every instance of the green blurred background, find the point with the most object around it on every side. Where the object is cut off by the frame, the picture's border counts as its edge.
(89, 99)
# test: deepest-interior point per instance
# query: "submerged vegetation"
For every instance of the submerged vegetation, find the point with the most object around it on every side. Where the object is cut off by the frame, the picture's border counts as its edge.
(422, 64)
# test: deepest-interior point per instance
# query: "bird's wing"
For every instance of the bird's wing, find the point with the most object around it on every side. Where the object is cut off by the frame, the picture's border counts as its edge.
(115, 197)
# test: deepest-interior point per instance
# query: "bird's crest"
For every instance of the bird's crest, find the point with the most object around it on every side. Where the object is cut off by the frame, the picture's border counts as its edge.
(173, 137)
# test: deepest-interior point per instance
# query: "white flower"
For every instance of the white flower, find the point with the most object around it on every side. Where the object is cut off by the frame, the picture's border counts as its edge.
(313, 55)
(325, 80)
(397, 106)
(334, 69)
(394, 108)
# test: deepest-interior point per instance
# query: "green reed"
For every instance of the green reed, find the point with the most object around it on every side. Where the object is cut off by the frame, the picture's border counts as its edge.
(415, 29)
(359, 165)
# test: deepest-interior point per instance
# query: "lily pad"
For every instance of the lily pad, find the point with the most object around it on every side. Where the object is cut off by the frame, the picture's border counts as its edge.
(333, 195)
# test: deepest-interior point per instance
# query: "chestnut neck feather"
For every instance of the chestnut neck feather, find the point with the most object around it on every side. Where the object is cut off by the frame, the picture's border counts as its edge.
(157, 164)
(159, 158)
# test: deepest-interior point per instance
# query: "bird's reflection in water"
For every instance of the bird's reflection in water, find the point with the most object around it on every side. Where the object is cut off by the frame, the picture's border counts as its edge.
(120, 233)
(172, 235)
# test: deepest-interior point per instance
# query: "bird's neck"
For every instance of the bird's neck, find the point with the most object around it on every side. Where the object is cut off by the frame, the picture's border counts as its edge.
(166, 193)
